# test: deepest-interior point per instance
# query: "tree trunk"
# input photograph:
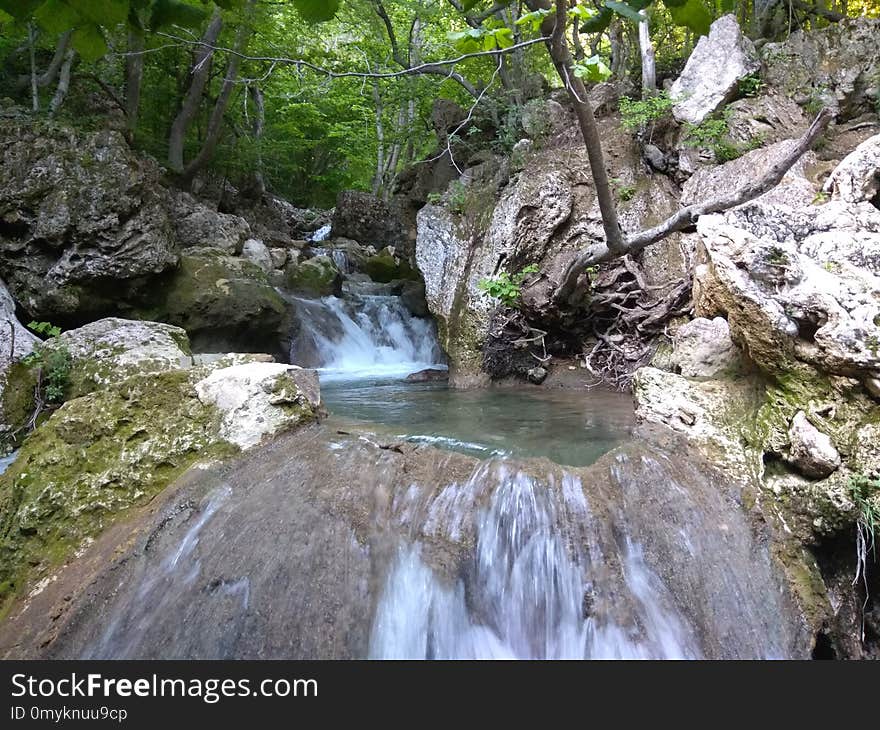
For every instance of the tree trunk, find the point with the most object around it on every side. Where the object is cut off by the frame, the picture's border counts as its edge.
(215, 123)
(646, 49)
(51, 73)
(554, 26)
(380, 140)
(200, 73)
(63, 83)
(35, 94)
(134, 72)
(256, 94)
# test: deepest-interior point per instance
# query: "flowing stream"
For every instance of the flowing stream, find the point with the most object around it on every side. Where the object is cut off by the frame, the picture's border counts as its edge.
(521, 537)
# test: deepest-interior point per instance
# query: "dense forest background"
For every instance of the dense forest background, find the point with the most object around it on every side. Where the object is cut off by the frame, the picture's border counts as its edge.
(308, 97)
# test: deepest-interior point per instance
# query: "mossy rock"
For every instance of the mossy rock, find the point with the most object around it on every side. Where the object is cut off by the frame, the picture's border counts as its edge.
(223, 303)
(384, 267)
(317, 276)
(95, 458)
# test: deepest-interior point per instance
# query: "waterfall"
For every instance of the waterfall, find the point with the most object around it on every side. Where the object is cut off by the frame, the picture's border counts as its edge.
(362, 336)
(322, 234)
(338, 256)
(531, 591)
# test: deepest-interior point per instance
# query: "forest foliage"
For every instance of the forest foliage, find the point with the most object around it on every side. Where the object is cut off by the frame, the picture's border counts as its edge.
(308, 97)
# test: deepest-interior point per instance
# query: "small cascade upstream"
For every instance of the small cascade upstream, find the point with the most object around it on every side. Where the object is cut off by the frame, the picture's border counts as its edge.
(362, 335)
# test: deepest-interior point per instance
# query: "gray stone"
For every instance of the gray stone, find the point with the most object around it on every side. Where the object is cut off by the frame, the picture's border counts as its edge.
(255, 251)
(703, 348)
(712, 74)
(198, 226)
(797, 188)
(537, 375)
(812, 452)
(366, 219)
(857, 177)
(833, 66)
(279, 257)
(655, 157)
(541, 118)
(78, 209)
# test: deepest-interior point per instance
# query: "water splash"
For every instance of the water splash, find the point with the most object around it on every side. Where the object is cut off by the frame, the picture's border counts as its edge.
(362, 336)
(535, 588)
(322, 234)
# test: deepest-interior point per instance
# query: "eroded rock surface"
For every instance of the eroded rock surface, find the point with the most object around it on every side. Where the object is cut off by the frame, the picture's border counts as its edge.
(713, 71)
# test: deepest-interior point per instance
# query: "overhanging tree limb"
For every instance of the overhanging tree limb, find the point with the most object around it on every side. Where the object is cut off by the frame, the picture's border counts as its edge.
(686, 217)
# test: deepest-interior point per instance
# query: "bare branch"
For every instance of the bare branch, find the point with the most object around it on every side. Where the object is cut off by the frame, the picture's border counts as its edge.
(687, 216)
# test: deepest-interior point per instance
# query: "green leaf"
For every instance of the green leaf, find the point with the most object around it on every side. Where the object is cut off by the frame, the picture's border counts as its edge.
(5, 17)
(20, 9)
(317, 11)
(692, 14)
(599, 22)
(56, 17)
(592, 69)
(468, 5)
(89, 43)
(173, 12)
(624, 10)
(103, 12)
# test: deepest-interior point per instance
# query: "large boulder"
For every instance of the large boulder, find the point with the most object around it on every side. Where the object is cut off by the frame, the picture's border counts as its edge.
(317, 277)
(112, 349)
(366, 219)
(224, 303)
(767, 118)
(857, 177)
(102, 454)
(255, 251)
(198, 226)
(260, 399)
(712, 74)
(77, 212)
(836, 66)
(798, 188)
(703, 348)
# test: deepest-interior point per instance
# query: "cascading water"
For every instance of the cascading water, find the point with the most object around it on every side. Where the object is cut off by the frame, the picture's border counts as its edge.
(362, 335)
(531, 591)
(322, 234)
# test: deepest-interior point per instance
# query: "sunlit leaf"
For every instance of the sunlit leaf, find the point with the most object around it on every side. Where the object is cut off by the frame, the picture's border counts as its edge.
(89, 43)
(598, 23)
(56, 17)
(592, 69)
(102, 12)
(624, 10)
(692, 14)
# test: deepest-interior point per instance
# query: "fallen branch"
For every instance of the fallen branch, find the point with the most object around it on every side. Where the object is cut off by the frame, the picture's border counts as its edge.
(687, 217)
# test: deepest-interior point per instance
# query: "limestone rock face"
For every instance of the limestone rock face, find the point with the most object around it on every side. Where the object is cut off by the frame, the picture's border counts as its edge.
(198, 226)
(703, 348)
(542, 215)
(857, 177)
(797, 286)
(836, 66)
(224, 303)
(113, 349)
(255, 251)
(543, 117)
(769, 118)
(812, 452)
(16, 341)
(76, 210)
(366, 219)
(712, 73)
(796, 189)
(260, 399)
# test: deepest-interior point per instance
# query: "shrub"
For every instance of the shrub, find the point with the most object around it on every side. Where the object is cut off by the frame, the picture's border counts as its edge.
(507, 287)
(642, 115)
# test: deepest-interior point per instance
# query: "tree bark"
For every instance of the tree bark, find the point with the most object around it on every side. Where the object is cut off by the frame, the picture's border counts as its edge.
(134, 72)
(215, 123)
(646, 49)
(192, 99)
(554, 26)
(256, 94)
(380, 139)
(51, 73)
(63, 83)
(35, 94)
(686, 217)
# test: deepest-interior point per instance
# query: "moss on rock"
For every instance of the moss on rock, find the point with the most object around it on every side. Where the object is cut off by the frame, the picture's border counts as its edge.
(95, 458)
(317, 276)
